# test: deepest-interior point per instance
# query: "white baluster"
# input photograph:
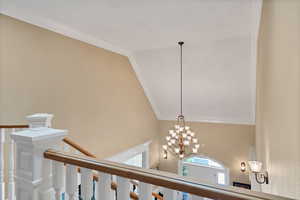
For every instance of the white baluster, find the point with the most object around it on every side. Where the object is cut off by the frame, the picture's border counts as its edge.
(2, 186)
(104, 191)
(71, 182)
(86, 183)
(123, 190)
(58, 179)
(11, 169)
(169, 194)
(145, 191)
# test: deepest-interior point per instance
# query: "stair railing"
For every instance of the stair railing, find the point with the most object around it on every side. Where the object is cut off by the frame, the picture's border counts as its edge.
(5, 139)
(43, 172)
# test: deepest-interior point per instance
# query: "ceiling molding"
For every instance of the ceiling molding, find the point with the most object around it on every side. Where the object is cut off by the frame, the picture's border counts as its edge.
(139, 76)
(216, 121)
(66, 31)
(257, 13)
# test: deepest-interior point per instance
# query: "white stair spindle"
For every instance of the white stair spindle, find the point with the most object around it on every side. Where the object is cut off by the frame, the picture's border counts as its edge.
(71, 182)
(169, 194)
(104, 191)
(11, 169)
(86, 183)
(2, 186)
(123, 190)
(145, 191)
(58, 179)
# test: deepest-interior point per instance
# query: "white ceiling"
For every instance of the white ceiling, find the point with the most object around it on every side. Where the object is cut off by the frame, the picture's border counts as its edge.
(219, 54)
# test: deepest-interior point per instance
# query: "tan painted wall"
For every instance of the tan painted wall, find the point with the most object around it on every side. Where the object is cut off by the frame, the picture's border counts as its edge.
(92, 92)
(278, 96)
(227, 143)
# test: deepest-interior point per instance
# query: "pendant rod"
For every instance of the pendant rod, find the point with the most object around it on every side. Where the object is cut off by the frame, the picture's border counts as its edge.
(181, 44)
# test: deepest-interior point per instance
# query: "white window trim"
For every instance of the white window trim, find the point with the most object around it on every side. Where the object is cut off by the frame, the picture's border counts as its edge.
(225, 170)
(126, 155)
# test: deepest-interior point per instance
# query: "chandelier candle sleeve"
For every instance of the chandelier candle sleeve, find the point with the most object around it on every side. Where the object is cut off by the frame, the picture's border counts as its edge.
(181, 140)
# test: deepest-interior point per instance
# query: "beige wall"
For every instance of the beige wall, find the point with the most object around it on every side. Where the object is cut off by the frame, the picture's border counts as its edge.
(92, 92)
(278, 96)
(227, 143)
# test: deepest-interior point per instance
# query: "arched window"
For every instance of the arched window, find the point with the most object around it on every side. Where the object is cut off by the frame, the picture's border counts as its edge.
(204, 168)
(204, 161)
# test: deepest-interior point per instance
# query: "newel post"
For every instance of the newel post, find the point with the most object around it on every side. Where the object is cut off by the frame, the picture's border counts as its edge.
(33, 172)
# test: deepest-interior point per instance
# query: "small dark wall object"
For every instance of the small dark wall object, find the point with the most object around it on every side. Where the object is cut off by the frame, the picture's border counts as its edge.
(242, 185)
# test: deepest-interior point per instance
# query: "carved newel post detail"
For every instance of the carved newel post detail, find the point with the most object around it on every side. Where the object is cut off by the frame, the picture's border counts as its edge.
(33, 171)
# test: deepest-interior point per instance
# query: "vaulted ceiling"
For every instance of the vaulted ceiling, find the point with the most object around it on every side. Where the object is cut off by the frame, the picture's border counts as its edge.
(219, 53)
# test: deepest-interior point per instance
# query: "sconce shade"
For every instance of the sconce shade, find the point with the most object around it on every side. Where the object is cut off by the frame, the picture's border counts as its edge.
(255, 166)
(243, 166)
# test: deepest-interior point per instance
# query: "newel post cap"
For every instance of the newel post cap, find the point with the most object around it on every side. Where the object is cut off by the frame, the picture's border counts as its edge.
(39, 120)
(39, 132)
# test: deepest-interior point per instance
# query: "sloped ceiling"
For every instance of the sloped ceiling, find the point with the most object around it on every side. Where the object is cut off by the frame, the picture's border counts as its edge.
(219, 53)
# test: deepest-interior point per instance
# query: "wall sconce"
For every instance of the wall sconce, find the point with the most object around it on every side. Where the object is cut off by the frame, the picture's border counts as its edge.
(261, 177)
(165, 155)
(165, 152)
(243, 167)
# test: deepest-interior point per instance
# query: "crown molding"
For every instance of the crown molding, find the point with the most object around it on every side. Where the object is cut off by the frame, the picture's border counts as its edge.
(139, 76)
(74, 34)
(215, 121)
(65, 30)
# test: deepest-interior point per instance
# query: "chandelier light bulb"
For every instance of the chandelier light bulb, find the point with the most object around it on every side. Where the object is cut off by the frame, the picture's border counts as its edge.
(177, 126)
(186, 142)
(173, 141)
(165, 147)
(195, 150)
(197, 146)
(169, 144)
(181, 128)
(184, 135)
(176, 150)
(187, 128)
(171, 131)
(189, 137)
(192, 134)
(195, 140)
(173, 134)
(168, 138)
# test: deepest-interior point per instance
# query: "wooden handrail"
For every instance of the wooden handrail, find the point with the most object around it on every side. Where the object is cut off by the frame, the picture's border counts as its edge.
(163, 179)
(14, 126)
(78, 147)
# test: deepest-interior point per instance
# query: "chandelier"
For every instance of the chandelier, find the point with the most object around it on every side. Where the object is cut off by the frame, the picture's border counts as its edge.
(181, 140)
